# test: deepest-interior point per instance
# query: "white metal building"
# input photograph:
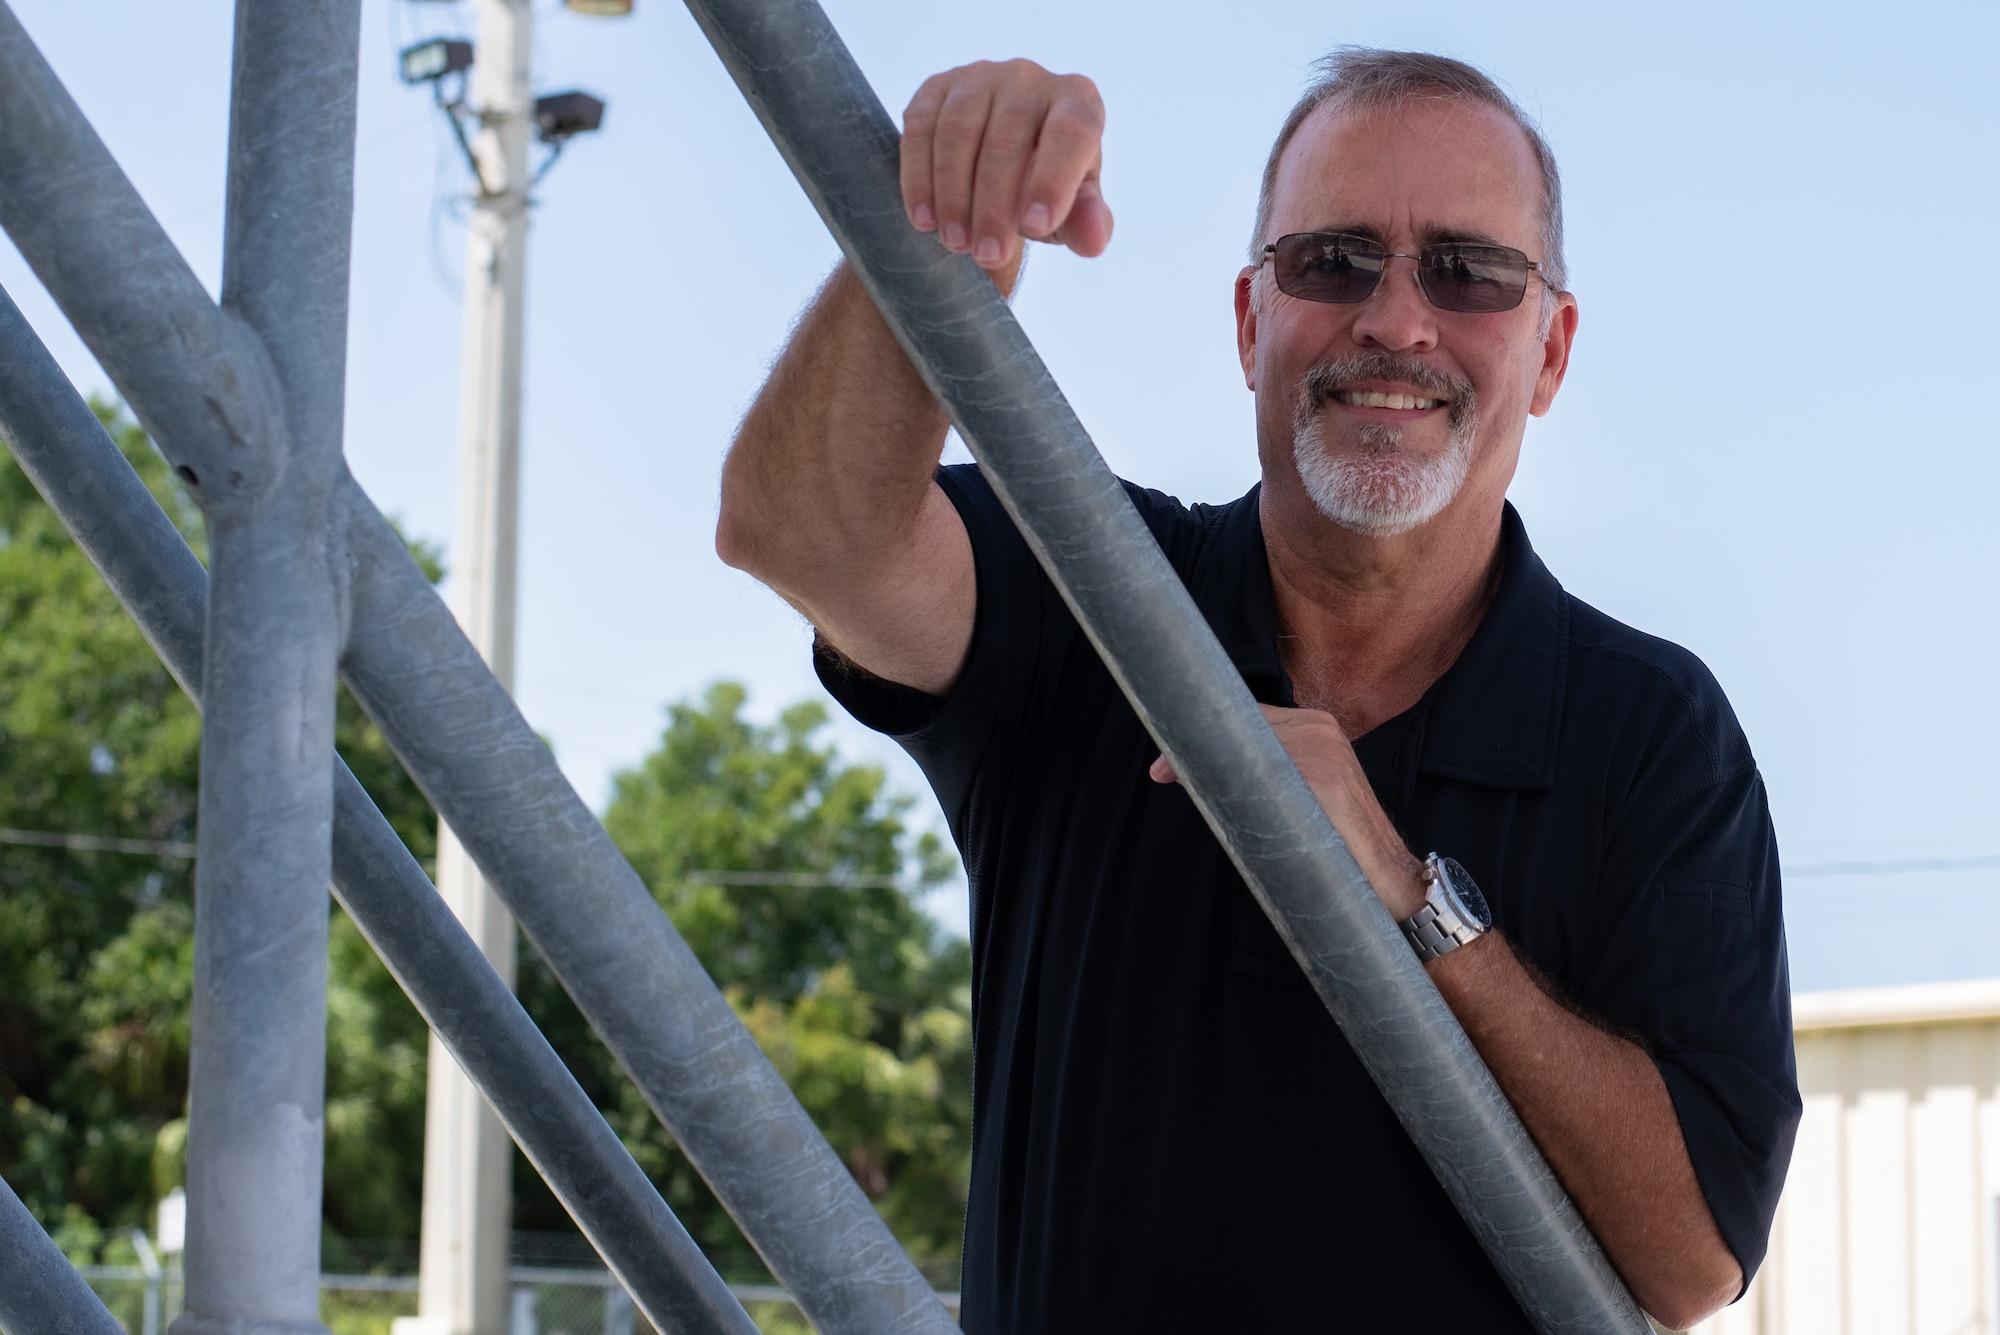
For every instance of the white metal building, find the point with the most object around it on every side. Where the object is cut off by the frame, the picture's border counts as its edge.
(1887, 1225)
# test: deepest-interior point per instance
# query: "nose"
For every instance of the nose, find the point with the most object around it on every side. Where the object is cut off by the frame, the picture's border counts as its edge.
(1397, 317)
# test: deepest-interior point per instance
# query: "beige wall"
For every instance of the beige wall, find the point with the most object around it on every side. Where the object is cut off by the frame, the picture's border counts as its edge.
(1887, 1223)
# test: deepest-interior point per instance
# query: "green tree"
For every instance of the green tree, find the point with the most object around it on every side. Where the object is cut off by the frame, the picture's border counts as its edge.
(858, 997)
(96, 949)
(860, 1000)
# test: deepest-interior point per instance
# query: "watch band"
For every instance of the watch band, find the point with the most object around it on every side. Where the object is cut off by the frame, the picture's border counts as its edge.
(1454, 913)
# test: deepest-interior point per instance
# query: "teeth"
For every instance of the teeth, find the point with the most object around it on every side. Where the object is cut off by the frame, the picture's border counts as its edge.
(1371, 399)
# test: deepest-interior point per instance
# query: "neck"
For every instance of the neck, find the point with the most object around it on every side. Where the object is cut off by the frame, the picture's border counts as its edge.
(1367, 625)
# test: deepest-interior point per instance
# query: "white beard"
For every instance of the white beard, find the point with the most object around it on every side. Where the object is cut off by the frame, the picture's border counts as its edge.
(1381, 491)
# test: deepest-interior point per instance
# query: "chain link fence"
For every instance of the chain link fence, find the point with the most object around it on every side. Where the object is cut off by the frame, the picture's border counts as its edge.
(544, 1299)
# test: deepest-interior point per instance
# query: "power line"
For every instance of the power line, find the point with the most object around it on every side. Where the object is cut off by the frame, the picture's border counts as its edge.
(804, 880)
(97, 843)
(94, 843)
(1889, 868)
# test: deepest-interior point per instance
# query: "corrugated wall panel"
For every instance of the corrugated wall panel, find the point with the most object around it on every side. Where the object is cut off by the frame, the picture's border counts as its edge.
(1944, 1134)
(1888, 1222)
(1877, 1167)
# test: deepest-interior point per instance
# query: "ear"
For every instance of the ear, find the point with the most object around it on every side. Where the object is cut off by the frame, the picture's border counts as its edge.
(1246, 325)
(1555, 353)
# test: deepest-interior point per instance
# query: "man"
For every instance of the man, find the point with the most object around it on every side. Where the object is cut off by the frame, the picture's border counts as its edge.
(1171, 1132)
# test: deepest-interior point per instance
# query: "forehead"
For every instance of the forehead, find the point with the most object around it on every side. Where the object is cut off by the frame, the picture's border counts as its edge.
(1434, 166)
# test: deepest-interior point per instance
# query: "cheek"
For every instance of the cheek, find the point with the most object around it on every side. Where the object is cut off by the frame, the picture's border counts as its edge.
(1288, 348)
(1504, 371)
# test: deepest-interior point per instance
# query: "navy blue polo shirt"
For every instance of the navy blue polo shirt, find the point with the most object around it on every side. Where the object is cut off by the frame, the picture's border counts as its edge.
(1170, 1133)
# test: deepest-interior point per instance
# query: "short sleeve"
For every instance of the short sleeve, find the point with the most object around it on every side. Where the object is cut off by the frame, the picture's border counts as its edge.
(952, 737)
(1694, 964)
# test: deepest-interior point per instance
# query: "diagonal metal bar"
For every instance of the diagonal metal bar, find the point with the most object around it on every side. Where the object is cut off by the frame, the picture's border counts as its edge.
(66, 454)
(40, 1290)
(818, 107)
(134, 301)
(193, 376)
(467, 746)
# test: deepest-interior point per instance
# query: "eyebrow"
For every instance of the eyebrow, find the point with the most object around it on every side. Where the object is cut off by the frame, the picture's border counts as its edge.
(1430, 236)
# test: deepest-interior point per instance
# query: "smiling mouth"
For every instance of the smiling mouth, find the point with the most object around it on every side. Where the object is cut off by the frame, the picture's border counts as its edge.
(1368, 398)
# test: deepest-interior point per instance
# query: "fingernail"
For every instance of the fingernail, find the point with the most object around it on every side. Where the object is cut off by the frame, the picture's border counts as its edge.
(1036, 221)
(989, 250)
(954, 237)
(924, 219)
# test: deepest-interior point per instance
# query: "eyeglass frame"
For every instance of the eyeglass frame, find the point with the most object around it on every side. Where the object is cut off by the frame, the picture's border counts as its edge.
(1270, 253)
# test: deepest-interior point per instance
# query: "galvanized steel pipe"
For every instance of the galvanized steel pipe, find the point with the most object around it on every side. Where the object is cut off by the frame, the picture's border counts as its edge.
(631, 974)
(40, 1290)
(257, 1057)
(258, 1064)
(66, 454)
(194, 377)
(827, 122)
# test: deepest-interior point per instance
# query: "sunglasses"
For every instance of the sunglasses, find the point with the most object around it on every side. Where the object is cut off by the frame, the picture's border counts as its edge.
(1454, 275)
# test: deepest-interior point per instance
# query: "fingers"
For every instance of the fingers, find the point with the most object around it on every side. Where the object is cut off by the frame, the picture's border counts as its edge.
(1314, 741)
(995, 152)
(1063, 176)
(919, 132)
(1282, 718)
(1293, 726)
(961, 129)
(1007, 154)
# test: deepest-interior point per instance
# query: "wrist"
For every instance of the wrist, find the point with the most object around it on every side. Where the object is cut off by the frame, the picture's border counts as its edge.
(1402, 887)
(1396, 874)
(1454, 913)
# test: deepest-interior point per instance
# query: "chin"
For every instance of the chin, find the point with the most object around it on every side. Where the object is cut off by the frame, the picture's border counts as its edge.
(1379, 489)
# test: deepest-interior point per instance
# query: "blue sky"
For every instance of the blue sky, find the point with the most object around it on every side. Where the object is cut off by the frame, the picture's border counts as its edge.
(1774, 445)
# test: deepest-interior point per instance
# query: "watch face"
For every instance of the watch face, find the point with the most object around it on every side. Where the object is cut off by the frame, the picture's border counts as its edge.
(1458, 883)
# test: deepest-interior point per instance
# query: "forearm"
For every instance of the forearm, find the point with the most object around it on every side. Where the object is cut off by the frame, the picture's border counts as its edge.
(827, 493)
(1594, 1102)
(1600, 1112)
(829, 471)
(828, 498)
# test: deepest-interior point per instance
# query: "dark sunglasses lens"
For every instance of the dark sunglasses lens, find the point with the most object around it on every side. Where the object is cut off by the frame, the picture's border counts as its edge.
(1321, 266)
(1473, 278)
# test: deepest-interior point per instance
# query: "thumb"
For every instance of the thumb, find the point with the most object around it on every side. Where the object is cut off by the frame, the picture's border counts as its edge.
(1162, 771)
(1087, 228)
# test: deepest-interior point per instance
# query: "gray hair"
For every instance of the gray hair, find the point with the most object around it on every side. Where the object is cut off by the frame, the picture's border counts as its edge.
(1360, 76)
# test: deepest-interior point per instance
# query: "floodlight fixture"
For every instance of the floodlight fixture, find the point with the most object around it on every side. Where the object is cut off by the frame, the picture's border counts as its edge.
(604, 9)
(561, 115)
(427, 62)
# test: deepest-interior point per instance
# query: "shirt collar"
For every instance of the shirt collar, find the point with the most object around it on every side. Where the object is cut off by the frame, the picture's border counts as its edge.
(1494, 718)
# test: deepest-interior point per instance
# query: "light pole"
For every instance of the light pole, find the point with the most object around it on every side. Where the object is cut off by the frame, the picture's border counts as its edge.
(468, 1157)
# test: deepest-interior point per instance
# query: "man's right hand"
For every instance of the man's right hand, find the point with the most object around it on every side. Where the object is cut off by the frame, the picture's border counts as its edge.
(994, 152)
(827, 494)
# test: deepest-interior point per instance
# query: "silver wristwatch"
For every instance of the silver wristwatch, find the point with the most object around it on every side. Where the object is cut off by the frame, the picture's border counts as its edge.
(1454, 912)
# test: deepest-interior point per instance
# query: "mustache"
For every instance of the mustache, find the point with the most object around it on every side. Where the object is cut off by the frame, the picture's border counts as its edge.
(1323, 379)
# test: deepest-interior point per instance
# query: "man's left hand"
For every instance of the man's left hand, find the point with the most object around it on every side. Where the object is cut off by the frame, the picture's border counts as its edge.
(1313, 739)
(1594, 1102)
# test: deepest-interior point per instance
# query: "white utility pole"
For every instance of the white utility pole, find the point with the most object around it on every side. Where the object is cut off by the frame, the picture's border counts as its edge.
(468, 1157)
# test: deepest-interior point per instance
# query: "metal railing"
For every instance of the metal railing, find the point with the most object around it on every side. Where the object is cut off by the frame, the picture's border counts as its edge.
(543, 1300)
(308, 580)
(202, 383)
